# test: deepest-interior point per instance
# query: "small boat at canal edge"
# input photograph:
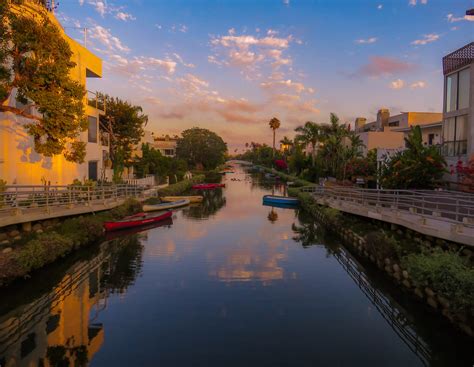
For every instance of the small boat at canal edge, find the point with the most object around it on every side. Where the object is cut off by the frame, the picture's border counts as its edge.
(136, 220)
(111, 235)
(207, 186)
(165, 206)
(275, 199)
(192, 199)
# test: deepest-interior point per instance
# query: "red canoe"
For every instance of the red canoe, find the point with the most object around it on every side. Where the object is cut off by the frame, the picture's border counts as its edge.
(137, 220)
(207, 186)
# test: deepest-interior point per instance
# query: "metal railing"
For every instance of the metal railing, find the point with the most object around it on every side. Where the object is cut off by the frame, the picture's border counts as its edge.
(96, 100)
(145, 181)
(450, 206)
(19, 197)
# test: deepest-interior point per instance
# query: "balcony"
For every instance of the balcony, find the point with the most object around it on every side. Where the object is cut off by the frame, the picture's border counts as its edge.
(459, 58)
(96, 101)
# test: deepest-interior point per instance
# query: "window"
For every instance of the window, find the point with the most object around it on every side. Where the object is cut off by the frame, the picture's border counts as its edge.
(169, 152)
(93, 170)
(394, 123)
(431, 139)
(455, 136)
(457, 90)
(92, 131)
(464, 81)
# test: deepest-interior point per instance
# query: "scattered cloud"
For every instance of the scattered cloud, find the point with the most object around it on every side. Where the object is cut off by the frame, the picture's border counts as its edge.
(383, 66)
(397, 84)
(418, 84)
(415, 2)
(366, 41)
(284, 85)
(139, 64)
(104, 36)
(380, 7)
(249, 52)
(286, 2)
(181, 61)
(427, 38)
(452, 19)
(124, 16)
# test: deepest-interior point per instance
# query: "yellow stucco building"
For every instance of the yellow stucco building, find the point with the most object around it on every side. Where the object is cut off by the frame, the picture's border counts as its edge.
(20, 163)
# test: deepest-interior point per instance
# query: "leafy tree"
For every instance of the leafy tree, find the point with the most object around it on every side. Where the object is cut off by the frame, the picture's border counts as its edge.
(125, 123)
(274, 125)
(309, 134)
(417, 167)
(154, 163)
(201, 148)
(35, 61)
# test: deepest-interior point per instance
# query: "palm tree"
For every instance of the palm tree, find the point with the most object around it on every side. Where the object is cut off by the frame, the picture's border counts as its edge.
(274, 124)
(309, 133)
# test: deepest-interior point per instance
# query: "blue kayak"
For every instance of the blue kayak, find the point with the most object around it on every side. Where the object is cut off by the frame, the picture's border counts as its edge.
(273, 199)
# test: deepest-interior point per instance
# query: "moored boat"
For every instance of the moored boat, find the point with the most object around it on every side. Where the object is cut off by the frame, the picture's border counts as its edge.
(164, 206)
(275, 199)
(207, 186)
(192, 199)
(136, 220)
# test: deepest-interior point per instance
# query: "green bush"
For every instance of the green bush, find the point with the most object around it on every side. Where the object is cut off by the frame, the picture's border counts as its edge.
(129, 207)
(332, 215)
(381, 244)
(180, 187)
(42, 250)
(446, 273)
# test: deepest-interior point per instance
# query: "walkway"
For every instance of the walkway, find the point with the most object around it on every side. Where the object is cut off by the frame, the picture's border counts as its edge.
(442, 214)
(23, 204)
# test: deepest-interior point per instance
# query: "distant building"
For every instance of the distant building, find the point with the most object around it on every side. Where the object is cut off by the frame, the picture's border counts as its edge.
(20, 163)
(147, 138)
(458, 105)
(388, 132)
(167, 145)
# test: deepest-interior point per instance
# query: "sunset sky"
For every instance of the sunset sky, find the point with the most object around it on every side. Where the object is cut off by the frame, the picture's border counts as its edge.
(230, 66)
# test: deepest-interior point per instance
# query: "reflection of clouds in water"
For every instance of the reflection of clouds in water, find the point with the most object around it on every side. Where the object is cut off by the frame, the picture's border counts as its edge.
(251, 260)
(163, 248)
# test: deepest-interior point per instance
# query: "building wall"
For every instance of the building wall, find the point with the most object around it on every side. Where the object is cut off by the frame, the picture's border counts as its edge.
(382, 140)
(19, 162)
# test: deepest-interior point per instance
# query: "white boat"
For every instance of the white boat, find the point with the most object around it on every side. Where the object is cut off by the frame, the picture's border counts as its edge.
(165, 206)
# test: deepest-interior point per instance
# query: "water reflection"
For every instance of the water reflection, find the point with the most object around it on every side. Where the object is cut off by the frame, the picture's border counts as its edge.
(59, 328)
(213, 201)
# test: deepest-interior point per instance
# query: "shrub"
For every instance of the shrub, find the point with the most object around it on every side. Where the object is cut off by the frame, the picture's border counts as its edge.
(446, 273)
(332, 215)
(381, 244)
(42, 250)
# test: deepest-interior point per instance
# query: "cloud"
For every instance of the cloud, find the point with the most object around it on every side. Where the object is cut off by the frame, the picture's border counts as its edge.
(104, 36)
(284, 85)
(397, 84)
(366, 41)
(139, 64)
(248, 52)
(414, 2)
(124, 16)
(427, 38)
(286, 2)
(383, 66)
(379, 7)
(418, 84)
(181, 61)
(452, 19)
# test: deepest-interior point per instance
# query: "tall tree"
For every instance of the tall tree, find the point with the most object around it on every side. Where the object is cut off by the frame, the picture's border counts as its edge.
(35, 61)
(274, 125)
(309, 134)
(201, 148)
(125, 123)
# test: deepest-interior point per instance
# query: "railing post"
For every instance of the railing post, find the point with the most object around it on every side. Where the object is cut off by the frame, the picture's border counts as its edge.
(88, 195)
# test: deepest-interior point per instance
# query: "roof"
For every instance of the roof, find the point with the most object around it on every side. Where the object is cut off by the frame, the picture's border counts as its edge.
(459, 58)
(425, 126)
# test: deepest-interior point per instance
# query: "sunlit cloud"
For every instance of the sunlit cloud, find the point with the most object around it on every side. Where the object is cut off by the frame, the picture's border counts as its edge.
(418, 84)
(383, 66)
(415, 2)
(427, 38)
(104, 36)
(124, 16)
(138, 64)
(452, 19)
(366, 41)
(397, 84)
(379, 7)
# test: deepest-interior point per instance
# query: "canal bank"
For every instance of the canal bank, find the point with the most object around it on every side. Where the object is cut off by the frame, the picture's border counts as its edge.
(228, 282)
(25, 249)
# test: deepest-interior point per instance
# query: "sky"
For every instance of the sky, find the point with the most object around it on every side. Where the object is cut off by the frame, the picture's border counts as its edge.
(230, 66)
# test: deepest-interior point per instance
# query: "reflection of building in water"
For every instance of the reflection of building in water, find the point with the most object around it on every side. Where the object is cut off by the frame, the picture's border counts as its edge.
(55, 329)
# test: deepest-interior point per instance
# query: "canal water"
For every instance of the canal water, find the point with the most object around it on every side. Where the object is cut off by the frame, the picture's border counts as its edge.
(228, 282)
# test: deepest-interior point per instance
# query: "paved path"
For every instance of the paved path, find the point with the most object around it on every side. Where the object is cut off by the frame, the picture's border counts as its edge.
(438, 228)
